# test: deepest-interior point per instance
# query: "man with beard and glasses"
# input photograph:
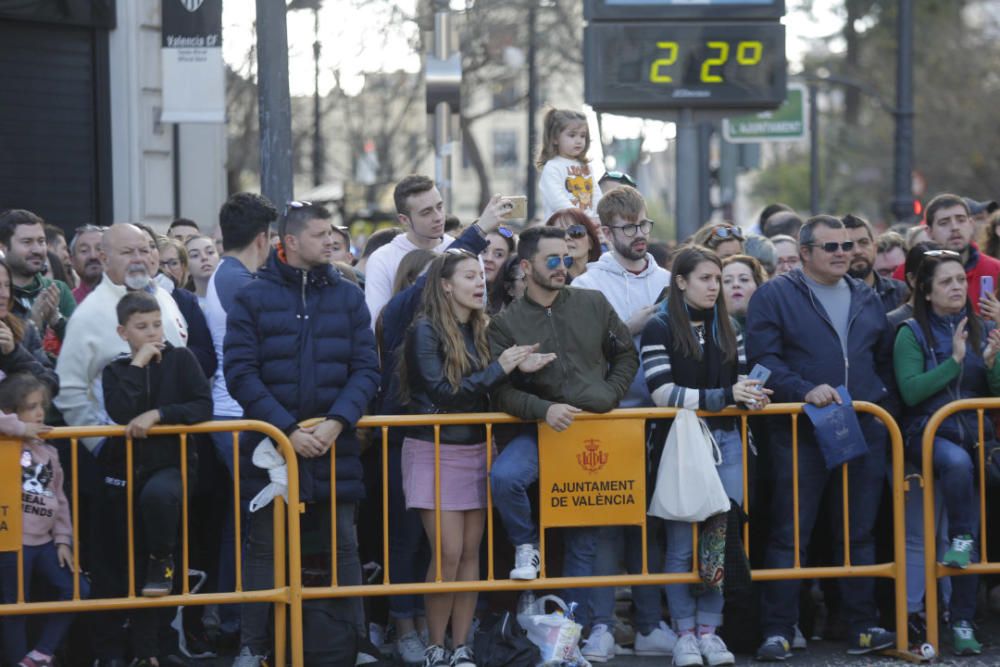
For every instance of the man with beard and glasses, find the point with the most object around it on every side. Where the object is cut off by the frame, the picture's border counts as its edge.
(595, 364)
(47, 303)
(92, 338)
(85, 253)
(892, 292)
(632, 282)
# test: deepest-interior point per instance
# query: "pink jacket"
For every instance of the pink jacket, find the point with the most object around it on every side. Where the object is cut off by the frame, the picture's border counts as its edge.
(46, 511)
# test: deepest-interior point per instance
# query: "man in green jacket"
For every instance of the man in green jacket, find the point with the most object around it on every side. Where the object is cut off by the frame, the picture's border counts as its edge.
(46, 302)
(594, 366)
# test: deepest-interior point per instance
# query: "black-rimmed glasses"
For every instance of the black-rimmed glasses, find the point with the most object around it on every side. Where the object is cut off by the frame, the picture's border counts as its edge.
(630, 230)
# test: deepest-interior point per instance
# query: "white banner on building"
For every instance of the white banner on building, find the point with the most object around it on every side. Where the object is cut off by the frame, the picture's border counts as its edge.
(194, 76)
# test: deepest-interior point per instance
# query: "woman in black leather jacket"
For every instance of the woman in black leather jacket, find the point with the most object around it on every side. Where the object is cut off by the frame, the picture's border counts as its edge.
(445, 367)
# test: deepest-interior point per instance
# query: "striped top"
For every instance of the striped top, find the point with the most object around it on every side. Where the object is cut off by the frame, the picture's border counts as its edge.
(668, 391)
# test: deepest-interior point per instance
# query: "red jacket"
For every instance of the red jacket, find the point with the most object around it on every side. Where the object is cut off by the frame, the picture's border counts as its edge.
(979, 265)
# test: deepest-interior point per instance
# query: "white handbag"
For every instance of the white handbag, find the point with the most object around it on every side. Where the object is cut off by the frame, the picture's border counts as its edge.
(688, 487)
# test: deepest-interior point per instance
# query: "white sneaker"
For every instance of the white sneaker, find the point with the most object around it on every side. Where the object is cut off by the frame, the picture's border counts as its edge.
(687, 653)
(410, 648)
(526, 562)
(714, 650)
(600, 645)
(660, 641)
(799, 640)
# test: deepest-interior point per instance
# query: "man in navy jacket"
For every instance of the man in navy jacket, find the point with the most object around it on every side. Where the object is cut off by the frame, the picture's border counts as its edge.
(299, 345)
(816, 328)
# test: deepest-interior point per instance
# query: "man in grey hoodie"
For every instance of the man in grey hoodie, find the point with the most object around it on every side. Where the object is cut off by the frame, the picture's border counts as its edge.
(631, 280)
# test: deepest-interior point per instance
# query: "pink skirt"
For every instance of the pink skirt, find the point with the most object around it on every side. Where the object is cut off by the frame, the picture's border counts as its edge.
(463, 476)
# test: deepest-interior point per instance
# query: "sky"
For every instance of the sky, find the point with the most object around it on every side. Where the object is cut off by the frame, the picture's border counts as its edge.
(355, 41)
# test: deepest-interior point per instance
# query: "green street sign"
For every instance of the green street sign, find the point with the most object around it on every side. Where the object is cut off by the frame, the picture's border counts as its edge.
(786, 123)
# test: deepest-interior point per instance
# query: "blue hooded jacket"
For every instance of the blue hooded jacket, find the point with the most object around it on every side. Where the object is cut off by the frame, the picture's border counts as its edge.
(299, 345)
(790, 333)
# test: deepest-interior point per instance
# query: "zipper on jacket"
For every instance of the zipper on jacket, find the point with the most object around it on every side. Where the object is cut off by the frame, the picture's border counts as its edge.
(305, 278)
(556, 338)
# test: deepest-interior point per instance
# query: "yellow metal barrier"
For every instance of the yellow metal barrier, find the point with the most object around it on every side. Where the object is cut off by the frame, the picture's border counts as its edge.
(933, 569)
(285, 596)
(895, 570)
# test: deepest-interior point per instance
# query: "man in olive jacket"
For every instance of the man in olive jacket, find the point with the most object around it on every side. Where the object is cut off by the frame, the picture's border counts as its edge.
(594, 366)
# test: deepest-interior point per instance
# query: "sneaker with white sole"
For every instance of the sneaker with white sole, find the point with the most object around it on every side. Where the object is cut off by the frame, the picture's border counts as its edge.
(660, 641)
(799, 640)
(410, 648)
(463, 657)
(714, 650)
(687, 651)
(247, 658)
(436, 656)
(600, 645)
(774, 649)
(526, 562)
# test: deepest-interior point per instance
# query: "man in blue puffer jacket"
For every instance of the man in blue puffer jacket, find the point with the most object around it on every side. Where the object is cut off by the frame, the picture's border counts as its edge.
(299, 345)
(816, 328)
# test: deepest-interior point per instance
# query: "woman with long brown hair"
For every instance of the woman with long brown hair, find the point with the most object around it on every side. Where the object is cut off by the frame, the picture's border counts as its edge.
(20, 344)
(445, 366)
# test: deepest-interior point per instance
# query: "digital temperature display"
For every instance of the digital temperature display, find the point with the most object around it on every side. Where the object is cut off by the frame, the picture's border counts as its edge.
(649, 66)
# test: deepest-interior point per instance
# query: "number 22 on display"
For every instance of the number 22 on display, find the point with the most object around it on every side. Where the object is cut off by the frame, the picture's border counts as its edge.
(747, 53)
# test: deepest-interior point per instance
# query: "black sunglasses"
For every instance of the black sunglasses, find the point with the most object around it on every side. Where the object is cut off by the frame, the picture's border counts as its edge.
(296, 204)
(832, 246)
(576, 231)
(727, 232)
(619, 177)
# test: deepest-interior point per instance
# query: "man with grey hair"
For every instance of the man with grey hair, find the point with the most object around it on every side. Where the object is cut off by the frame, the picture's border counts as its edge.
(762, 249)
(808, 327)
(85, 254)
(92, 339)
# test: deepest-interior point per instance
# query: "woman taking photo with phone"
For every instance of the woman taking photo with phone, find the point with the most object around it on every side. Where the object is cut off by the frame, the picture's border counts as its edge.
(944, 353)
(691, 355)
(445, 367)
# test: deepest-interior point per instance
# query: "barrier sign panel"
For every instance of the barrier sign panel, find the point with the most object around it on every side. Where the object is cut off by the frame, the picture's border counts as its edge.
(593, 474)
(10, 495)
(194, 76)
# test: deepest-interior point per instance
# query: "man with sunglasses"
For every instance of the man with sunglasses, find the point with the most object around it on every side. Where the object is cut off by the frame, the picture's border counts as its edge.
(816, 328)
(594, 366)
(631, 281)
(892, 292)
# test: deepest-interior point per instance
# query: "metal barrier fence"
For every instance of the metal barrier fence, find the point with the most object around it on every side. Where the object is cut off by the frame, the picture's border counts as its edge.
(932, 568)
(286, 593)
(895, 569)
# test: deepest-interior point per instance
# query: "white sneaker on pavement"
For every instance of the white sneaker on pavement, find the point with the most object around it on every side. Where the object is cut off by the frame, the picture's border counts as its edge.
(526, 562)
(600, 645)
(660, 641)
(714, 650)
(799, 641)
(687, 653)
(410, 648)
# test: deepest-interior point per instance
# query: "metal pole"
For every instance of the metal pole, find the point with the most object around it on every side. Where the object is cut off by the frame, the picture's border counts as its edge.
(813, 151)
(442, 111)
(687, 175)
(532, 106)
(902, 204)
(319, 154)
(274, 103)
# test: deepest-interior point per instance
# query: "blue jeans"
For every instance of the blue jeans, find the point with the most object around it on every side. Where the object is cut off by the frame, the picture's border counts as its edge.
(687, 609)
(44, 561)
(615, 544)
(226, 577)
(780, 600)
(408, 548)
(513, 472)
(955, 479)
(914, 513)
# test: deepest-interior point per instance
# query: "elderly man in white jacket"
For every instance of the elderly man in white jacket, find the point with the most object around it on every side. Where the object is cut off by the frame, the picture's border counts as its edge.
(91, 335)
(630, 279)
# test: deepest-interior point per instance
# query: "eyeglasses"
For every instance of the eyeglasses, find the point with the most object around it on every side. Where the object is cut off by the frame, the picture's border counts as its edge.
(630, 230)
(832, 246)
(727, 232)
(620, 177)
(296, 204)
(942, 253)
(505, 232)
(576, 231)
(170, 263)
(552, 263)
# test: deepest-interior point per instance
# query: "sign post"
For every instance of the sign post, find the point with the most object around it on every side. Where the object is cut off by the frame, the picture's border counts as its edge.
(789, 122)
(593, 474)
(10, 495)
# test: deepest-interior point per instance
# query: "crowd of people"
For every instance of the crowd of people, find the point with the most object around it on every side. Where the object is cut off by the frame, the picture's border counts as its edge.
(277, 321)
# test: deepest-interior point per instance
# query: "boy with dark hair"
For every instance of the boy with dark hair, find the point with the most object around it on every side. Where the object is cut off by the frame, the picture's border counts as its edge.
(183, 229)
(155, 383)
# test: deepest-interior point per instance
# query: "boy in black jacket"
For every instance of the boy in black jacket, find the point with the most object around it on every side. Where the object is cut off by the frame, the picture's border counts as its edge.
(156, 383)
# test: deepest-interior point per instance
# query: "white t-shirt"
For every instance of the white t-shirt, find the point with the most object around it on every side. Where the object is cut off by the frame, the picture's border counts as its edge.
(569, 183)
(380, 271)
